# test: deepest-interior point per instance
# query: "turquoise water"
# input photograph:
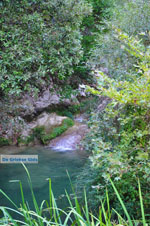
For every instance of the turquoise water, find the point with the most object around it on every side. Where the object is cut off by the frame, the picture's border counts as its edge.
(51, 164)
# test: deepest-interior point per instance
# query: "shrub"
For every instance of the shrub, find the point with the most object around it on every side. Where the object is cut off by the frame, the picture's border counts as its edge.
(38, 132)
(108, 54)
(4, 141)
(132, 17)
(120, 134)
(39, 40)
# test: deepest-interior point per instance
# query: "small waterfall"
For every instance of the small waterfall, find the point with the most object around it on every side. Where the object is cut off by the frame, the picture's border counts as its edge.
(69, 140)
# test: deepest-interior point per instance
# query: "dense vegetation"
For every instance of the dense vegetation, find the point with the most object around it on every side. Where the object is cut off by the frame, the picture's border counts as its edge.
(43, 45)
(40, 41)
(119, 138)
(43, 42)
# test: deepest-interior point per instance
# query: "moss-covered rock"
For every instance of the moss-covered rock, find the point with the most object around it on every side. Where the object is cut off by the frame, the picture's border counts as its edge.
(41, 134)
(45, 128)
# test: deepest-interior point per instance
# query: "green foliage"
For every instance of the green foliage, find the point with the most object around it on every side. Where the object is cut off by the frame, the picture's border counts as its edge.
(39, 40)
(4, 141)
(66, 113)
(108, 54)
(91, 28)
(133, 17)
(136, 91)
(92, 24)
(25, 141)
(120, 134)
(38, 132)
(68, 122)
(11, 123)
(74, 109)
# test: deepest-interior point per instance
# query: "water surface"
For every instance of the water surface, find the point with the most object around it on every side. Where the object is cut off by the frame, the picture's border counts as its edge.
(52, 164)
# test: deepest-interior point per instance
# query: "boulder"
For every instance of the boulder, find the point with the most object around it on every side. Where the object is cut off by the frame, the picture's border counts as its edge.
(46, 120)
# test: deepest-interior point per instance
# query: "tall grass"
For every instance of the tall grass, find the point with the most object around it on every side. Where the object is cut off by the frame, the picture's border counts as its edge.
(48, 213)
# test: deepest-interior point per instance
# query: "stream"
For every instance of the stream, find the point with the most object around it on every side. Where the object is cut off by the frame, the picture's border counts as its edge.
(51, 164)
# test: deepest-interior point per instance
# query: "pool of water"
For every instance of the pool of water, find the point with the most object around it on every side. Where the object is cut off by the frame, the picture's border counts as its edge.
(52, 164)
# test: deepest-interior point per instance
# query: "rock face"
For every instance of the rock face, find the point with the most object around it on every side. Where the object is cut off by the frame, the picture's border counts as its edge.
(48, 100)
(25, 113)
(70, 139)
